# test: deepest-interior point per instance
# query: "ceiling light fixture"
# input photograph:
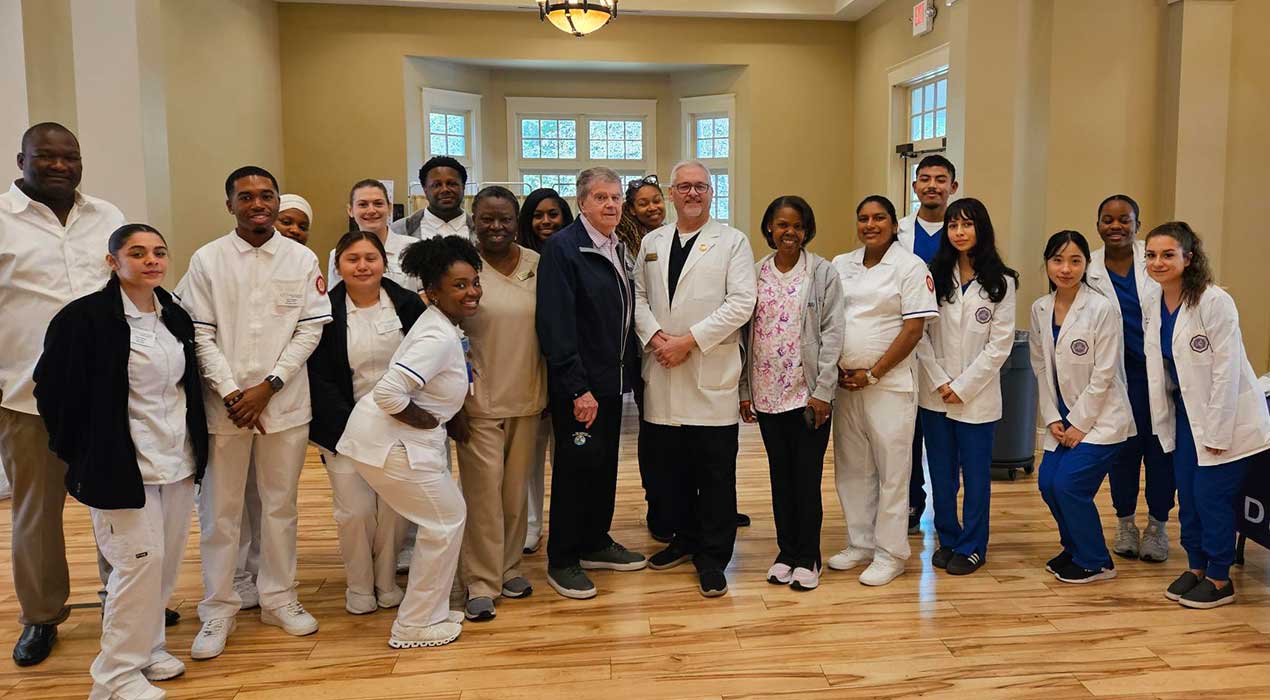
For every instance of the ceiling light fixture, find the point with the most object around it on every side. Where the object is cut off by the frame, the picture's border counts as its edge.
(577, 17)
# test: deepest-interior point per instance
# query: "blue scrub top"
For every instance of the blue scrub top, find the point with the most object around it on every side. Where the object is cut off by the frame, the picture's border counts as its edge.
(1168, 319)
(1062, 407)
(1131, 311)
(925, 245)
(966, 286)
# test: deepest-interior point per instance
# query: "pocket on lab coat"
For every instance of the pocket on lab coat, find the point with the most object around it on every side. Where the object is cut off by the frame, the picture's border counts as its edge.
(720, 368)
(288, 296)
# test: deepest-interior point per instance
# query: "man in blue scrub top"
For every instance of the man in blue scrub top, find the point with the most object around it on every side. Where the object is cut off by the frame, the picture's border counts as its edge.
(920, 231)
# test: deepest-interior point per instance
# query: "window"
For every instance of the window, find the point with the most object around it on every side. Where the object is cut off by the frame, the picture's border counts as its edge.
(551, 140)
(452, 128)
(720, 205)
(709, 131)
(447, 134)
(922, 118)
(713, 139)
(928, 109)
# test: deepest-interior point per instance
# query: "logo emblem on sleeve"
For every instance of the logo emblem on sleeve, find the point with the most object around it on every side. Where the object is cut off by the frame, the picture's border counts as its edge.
(1080, 348)
(1200, 343)
(930, 283)
(321, 285)
(983, 315)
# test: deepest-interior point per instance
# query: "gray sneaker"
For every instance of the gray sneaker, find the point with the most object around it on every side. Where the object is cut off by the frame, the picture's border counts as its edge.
(614, 557)
(1127, 538)
(1155, 542)
(571, 582)
(479, 609)
(518, 587)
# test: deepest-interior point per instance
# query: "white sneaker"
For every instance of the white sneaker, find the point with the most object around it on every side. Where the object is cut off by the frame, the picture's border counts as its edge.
(246, 590)
(403, 558)
(1155, 542)
(440, 634)
(210, 641)
(850, 558)
(1127, 538)
(881, 572)
(163, 666)
(456, 616)
(779, 574)
(148, 692)
(358, 603)
(805, 579)
(391, 599)
(292, 618)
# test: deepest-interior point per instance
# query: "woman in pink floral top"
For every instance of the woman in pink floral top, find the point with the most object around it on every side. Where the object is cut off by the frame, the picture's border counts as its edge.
(788, 384)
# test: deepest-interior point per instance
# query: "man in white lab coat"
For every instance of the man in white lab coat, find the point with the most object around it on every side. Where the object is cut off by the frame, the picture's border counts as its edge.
(694, 290)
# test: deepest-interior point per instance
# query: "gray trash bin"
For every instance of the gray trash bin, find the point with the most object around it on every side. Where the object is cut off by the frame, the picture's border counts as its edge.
(1014, 443)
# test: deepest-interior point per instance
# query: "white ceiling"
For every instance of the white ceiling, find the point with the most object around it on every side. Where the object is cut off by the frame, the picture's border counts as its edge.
(847, 10)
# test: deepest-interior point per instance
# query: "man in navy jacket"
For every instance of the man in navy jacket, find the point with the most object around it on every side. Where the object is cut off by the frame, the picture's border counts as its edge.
(585, 324)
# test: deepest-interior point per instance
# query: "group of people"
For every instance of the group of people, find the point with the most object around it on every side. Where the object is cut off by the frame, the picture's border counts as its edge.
(515, 330)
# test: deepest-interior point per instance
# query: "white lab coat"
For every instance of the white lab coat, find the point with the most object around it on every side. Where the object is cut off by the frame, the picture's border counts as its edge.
(1225, 404)
(1099, 279)
(905, 235)
(966, 349)
(1090, 370)
(714, 298)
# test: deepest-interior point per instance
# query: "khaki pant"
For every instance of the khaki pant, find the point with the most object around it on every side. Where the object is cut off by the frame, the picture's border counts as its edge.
(40, 575)
(494, 466)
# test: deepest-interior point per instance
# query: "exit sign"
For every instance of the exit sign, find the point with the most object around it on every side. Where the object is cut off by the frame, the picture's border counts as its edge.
(923, 17)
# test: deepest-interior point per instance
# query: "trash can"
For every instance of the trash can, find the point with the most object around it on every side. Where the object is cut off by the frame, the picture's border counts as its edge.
(1014, 443)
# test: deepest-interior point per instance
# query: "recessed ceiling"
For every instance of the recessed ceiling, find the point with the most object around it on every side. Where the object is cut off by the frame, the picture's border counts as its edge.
(847, 10)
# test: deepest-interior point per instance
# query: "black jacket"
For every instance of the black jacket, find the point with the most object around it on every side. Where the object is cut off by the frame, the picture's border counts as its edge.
(331, 377)
(81, 391)
(585, 318)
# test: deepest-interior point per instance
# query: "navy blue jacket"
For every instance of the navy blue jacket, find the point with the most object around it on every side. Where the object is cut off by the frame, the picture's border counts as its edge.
(585, 318)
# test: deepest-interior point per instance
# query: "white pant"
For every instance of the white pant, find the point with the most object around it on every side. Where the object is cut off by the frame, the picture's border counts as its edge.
(370, 531)
(429, 498)
(144, 547)
(873, 457)
(537, 481)
(249, 545)
(279, 458)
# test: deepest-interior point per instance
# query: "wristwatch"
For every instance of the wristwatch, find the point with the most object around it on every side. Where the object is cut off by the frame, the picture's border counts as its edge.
(868, 373)
(275, 383)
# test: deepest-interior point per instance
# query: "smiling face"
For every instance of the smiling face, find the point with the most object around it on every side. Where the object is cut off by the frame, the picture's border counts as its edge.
(1066, 267)
(254, 203)
(361, 266)
(444, 188)
(293, 224)
(787, 231)
(649, 207)
(458, 294)
(1117, 225)
(1166, 261)
(50, 164)
(602, 205)
(142, 261)
(961, 234)
(548, 218)
(369, 207)
(933, 187)
(691, 194)
(874, 226)
(495, 220)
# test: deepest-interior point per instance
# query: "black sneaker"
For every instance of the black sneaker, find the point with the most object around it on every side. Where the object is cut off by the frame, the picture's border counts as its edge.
(669, 558)
(713, 584)
(742, 520)
(960, 565)
(170, 617)
(1182, 585)
(663, 537)
(1206, 595)
(941, 557)
(1075, 573)
(914, 522)
(1063, 559)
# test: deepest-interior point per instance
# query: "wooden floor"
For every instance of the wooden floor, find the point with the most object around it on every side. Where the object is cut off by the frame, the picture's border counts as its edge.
(1010, 631)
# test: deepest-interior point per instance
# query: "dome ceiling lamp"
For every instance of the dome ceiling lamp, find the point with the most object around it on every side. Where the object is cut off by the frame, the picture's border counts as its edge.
(577, 17)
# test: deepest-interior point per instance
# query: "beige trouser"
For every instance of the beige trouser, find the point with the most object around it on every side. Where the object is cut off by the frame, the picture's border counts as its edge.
(537, 482)
(493, 467)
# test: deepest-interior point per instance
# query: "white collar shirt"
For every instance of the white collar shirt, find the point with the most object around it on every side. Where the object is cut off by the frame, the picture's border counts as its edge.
(432, 225)
(394, 246)
(374, 333)
(156, 399)
(44, 265)
(257, 311)
(877, 301)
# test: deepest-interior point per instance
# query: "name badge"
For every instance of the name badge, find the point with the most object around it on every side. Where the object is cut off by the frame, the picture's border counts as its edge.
(388, 324)
(650, 257)
(143, 338)
(290, 299)
(525, 275)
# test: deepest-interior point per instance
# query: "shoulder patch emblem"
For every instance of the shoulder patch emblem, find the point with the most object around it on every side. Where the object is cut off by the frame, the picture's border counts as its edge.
(320, 284)
(930, 283)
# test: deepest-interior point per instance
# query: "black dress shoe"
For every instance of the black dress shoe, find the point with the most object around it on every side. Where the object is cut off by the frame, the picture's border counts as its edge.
(742, 520)
(34, 645)
(170, 617)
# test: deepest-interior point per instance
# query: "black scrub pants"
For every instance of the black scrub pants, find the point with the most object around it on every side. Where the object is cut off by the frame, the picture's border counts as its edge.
(697, 465)
(650, 477)
(583, 480)
(796, 462)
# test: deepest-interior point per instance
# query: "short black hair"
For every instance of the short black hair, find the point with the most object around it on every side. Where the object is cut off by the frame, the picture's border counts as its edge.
(799, 205)
(1057, 242)
(430, 258)
(43, 127)
(249, 171)
(442, 162)
(1137, 213)
(885, 204)
(496, 192)
(935, 160)
(119, 237)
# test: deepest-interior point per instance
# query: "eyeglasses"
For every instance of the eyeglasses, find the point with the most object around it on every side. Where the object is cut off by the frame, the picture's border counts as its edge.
(686, 187)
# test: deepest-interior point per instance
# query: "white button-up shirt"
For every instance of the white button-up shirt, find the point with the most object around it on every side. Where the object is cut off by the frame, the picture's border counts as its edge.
(256, 312)
(877, 300)
(433, 225)
(374, 334)
(156, 399)
(394, 246)
(44, 265)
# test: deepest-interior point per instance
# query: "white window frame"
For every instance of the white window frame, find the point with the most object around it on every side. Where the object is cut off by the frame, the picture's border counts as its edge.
(452, 102)
(708, 107)
(900, 79)
(581, 110)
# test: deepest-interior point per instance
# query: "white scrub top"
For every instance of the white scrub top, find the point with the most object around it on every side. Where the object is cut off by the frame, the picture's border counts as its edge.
(156, 399)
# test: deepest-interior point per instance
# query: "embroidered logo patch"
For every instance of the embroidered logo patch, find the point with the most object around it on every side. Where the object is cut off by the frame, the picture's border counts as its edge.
(580, 439)
(321, 285)
(930, 283)
(1080, 348)
(983, 315)
(1200, 343)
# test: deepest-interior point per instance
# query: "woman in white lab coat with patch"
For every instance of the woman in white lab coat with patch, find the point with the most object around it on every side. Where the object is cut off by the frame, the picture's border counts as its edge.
(1206, 405)
(1076, 343)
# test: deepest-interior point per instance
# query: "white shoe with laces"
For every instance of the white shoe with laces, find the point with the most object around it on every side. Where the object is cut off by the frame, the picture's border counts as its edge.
(292, 618)
(436, 635)
(211, 639)
(163, 666)
(881, 572)
(247, 592)
(850, 558)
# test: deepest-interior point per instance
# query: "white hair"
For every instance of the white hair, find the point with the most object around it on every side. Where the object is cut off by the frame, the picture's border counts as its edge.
(690, 163)
(591, 175)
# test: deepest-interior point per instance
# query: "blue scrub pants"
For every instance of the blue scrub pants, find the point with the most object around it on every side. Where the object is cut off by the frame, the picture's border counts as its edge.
(959, 451)
(1207, 499)
(1069, 479)
(1143, 448)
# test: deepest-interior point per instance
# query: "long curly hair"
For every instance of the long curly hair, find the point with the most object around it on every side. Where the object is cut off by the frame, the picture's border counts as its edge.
(1199, 274)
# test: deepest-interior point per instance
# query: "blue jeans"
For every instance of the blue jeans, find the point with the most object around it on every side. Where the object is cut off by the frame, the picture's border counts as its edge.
(959, 452)
(1207, 502)
(1144, 448)
(1069, 479)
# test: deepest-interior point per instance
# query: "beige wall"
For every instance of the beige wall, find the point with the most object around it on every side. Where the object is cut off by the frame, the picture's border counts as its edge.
(796, 73)
(50, 61)
(223, 109)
